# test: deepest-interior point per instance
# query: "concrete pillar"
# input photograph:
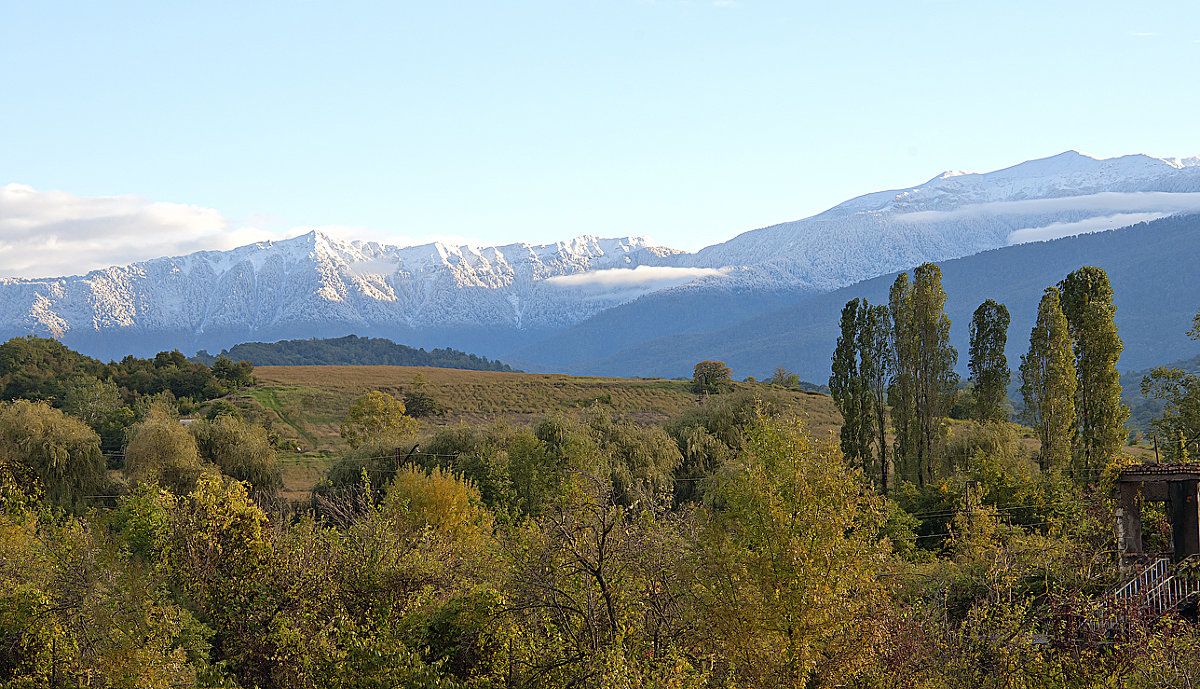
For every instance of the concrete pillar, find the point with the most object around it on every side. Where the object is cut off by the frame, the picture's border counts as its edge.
(1131, 517)
(1185, 519)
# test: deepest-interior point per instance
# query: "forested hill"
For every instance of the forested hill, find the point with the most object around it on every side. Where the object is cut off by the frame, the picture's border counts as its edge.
(351, 350)
(1151, 267)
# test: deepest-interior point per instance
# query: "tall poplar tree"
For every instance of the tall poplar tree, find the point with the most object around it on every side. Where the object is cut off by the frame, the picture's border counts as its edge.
(1087, 303)
(1048, 382)
(901, 392)
(876, 364)
(848, 390)
(935, 379)
(988, 365)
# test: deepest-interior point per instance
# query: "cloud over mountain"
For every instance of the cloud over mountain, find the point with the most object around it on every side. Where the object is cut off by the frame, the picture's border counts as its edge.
(641, 276)
(45, 233)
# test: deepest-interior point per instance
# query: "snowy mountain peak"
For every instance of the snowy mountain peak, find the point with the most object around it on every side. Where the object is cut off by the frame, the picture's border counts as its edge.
(957, 214)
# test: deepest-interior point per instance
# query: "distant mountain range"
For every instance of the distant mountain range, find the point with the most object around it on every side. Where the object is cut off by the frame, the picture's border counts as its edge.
(1152, 268)
(589, 304)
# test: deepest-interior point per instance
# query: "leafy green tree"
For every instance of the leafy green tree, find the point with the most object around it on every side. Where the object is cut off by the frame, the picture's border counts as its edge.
(162, 451)
(902, 394)
(222, 408)
(220, 556)
(35, 368)
(849, 390)
(783, 378)
(76, 611)
(988, 365)
(241, 450)
(787, 557)
(710, 376)
(418, 401)
(1087, 303)
(377, 417)
(1048, 382)
(62, 450)
(641, 461)
(876, 367)
(1179, 392)
(930, 362)
(708, 435)
(233, 376)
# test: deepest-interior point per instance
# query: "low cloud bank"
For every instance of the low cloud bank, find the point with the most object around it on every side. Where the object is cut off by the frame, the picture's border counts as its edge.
(1109, 202)
(1058, 230)
(656, 277)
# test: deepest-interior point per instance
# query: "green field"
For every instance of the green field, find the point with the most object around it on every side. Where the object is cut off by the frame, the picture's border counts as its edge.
(304, 405)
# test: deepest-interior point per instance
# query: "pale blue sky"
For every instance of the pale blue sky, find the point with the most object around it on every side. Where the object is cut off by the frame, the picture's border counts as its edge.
(688, 122)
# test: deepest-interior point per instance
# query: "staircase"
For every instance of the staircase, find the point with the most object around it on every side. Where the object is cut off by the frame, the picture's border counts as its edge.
(1157, 589)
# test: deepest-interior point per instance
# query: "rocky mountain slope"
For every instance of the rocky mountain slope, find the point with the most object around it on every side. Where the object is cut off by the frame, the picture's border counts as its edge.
(562, 305)
(957, 214)
(317, 285)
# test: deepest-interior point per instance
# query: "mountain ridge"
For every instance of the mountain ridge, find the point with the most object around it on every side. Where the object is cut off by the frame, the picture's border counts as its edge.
(1157, 292)
(518, 300)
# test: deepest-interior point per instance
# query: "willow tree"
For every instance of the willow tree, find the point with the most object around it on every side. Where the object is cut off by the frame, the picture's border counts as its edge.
(1048, 382)
(988, 365)
(1087, 303)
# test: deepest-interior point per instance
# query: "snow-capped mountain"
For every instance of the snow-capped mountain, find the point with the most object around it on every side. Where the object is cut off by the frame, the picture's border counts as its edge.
(508, 299)
(318, 285)
(957, 214)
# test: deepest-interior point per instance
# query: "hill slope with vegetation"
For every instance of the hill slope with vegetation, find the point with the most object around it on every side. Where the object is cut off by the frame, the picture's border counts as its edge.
(483, 530)
(351, 350)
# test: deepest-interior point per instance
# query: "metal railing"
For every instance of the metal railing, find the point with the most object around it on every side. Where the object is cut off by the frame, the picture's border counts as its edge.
(1151, 576)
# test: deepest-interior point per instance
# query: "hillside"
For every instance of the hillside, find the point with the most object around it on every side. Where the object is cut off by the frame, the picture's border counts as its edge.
(1143, 410)
(1151, 267)
(305, 404)
(351, 350)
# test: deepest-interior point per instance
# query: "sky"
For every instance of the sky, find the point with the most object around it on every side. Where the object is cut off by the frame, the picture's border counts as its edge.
(131, 130)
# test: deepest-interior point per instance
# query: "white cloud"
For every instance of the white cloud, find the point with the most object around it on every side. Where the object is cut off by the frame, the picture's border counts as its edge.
(1070, 229)
(52, 233)
(1105, 202)
(652, 277)
(56, 233)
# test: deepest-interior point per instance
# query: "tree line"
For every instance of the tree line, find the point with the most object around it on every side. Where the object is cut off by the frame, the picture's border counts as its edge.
(351, 350)
(894, 370)
(111, 397)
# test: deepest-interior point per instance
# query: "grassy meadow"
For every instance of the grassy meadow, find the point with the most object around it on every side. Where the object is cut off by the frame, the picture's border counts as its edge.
(305, 404)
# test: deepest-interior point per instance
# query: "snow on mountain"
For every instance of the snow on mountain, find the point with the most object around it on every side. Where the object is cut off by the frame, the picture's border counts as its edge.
(214, 298)
(496, 299)
(957, 214)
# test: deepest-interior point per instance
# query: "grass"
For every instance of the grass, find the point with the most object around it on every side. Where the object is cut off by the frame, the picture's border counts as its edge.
(304, 405)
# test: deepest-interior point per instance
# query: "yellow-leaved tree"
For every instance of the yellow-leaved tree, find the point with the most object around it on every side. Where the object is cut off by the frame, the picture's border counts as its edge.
(377, 418)
(786, 558)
